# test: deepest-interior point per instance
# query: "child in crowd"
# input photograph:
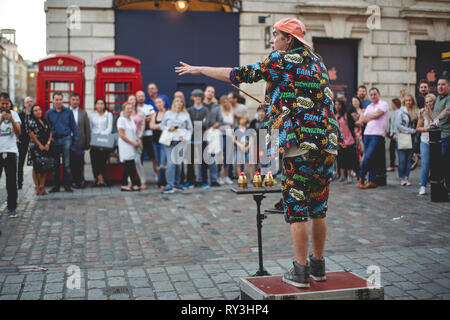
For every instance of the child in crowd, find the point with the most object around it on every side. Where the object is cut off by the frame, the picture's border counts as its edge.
(244, 141)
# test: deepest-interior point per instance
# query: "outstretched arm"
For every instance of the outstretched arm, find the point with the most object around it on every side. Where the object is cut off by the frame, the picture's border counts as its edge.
(218, 73)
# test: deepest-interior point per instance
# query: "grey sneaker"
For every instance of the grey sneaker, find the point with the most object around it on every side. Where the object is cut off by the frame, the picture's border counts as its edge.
(317, 268)
(298, 276)
(12, 214)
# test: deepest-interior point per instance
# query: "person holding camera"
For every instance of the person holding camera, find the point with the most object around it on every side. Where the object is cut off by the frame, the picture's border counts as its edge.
(9, 132)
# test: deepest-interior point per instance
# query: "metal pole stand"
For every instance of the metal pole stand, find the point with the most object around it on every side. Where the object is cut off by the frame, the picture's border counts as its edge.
(258, 196)
(438, 191)
(259, 220)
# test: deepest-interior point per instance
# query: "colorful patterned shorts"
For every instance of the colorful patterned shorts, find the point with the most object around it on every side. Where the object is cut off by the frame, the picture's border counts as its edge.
(305, 184)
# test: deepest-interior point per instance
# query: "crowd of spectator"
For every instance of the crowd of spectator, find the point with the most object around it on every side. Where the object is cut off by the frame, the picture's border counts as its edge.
(185, 158)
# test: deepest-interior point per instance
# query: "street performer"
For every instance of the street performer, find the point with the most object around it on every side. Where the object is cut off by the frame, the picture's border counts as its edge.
(299, 104)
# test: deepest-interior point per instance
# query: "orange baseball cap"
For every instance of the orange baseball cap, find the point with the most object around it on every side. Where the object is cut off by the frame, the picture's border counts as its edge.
(294, 27)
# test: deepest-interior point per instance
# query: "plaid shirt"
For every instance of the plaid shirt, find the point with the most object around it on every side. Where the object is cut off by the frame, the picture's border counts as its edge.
(299, 102)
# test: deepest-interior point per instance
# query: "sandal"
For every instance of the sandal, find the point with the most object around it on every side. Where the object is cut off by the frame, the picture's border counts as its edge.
(125, 189)
(38, 190)
(43, 192)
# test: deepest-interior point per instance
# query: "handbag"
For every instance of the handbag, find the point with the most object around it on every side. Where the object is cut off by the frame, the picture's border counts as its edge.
(166, 137)
(104, 142)
(44, 164)
(404, 141)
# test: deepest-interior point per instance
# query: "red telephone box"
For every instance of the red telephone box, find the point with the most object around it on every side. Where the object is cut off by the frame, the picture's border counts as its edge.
(116, 78)
(59, 72)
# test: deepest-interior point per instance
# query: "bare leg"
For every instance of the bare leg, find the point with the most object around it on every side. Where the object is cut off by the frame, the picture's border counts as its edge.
(318, 236)
(299, 235)
(42, 178)
(36, 182)
(155, 165)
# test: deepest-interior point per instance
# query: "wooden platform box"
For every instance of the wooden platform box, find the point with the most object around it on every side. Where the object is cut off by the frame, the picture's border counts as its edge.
(340, 285)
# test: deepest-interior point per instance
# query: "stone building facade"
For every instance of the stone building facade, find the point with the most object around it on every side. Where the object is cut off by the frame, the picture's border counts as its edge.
(386, 34)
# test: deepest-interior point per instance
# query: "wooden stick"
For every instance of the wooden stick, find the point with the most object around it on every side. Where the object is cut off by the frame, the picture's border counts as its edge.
(236, 87)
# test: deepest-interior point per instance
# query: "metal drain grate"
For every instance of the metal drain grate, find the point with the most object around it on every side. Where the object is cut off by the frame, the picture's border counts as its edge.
(116, 290)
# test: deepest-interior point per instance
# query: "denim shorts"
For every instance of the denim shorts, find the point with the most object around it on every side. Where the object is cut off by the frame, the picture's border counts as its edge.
(305, 185)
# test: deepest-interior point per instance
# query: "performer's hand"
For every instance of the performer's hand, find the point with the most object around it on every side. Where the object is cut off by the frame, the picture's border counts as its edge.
(186, 69)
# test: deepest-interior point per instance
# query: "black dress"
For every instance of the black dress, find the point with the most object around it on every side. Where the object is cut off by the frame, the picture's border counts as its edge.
(42, 133)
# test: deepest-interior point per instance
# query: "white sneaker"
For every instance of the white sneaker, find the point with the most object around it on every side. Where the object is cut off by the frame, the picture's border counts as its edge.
(220, 181)
(228, 180)
(422, 191)
(407, 183)
(402, 182)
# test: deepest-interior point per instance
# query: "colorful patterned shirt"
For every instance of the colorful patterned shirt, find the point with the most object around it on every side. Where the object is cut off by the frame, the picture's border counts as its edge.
(299, 101)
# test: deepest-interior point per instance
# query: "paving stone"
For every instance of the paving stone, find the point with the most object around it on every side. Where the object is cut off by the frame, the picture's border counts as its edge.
(168, 295)
(433, 288)
(405, 286)
(142, 292)
(175, 270)
(116, 281)
(96, 294)
(31, 295)
(136, 273)
(162, 286)
(32, 286)
(96, 284)
(203, 283)
(420, 294)
(53, 296)
(53, 287)
(14, 279)
(158, 277)
(96, 275)
(209, 292)
(9, 289)
(139, 282)
(115, 273)
(179, 277)
(75, 293)
(9, 297)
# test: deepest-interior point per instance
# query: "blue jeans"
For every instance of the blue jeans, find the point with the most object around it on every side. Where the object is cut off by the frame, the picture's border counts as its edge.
(173, 169)
(161, 161)
(404, 162)
(371, 144)
(425, 163)
(62, 147)
(213, 171)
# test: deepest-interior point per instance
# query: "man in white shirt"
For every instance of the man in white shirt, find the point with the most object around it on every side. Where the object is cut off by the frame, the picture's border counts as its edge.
(147, 144)
(9, 132)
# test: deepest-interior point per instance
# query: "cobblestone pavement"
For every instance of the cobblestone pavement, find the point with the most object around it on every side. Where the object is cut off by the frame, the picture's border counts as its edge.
(198, 244)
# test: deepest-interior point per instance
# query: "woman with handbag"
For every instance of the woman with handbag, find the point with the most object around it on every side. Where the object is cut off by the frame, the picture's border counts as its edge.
(404, 131)
(176, 124)
(128, 143)
(426, 116)
(158, 148)
(40, 134)
(101, 123)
